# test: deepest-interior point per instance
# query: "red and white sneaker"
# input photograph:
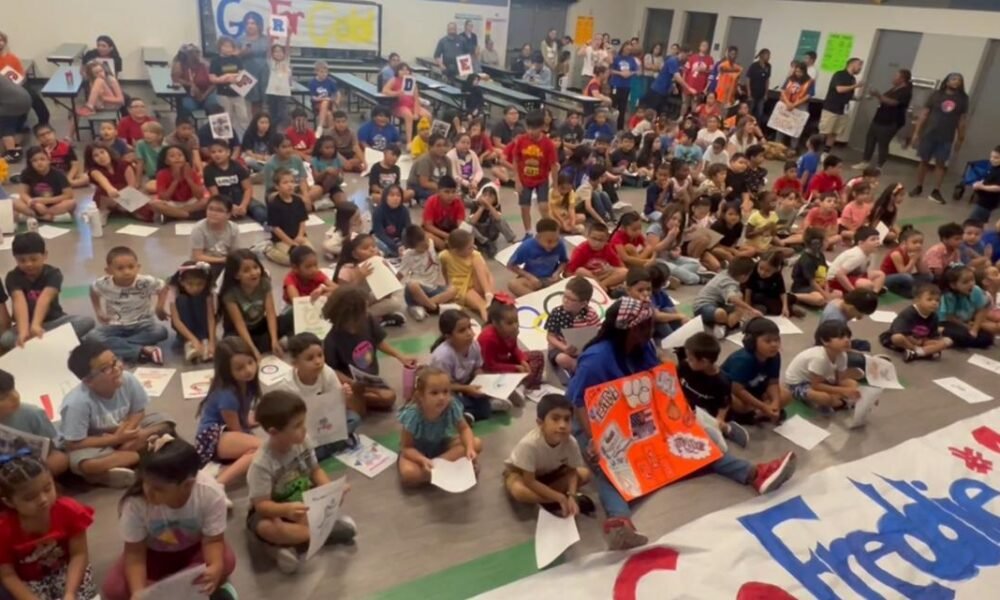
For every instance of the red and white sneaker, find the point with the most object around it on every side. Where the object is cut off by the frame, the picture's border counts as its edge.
(772, 475)
(620, 534)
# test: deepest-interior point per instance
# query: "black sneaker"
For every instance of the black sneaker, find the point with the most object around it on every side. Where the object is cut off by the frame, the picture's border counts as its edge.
(937, 197)
(910, 356)
(226, 591)
(916, 191)
(469, 418)
(393, 320)
(587, 506)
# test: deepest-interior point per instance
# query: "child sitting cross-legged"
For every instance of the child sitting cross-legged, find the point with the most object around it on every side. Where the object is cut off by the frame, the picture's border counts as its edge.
(916, 331)
(853, 268)
(575, 311)
(355, 266)
(487, 221)
(32, 419)
(809, 283)
(423, 279)
(192, 310)
(433, 427)
(466, 271)
(457, 353)
(283, 469)
(596, 259)
(546, 467)
(765, 289)
(754, 371)
(540, 259)
(964, 309)
(819, 376)
(720, 303)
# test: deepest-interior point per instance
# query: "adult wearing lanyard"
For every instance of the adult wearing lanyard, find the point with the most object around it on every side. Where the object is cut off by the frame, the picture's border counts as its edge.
(889, 118)
(448, 49)
(623, 68)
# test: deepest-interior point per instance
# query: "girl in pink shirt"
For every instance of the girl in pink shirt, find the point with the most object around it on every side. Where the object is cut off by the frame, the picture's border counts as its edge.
(855, 213)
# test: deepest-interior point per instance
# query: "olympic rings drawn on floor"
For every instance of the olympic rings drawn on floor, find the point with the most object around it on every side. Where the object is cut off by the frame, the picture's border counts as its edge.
(541, 316)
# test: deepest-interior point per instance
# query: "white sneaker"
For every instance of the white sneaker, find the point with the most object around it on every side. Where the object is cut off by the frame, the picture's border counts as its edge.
(323, 204)
(719, 331)
(419, 313)
(500, 405)
(861, 166)
(286, 558)
(118, 477)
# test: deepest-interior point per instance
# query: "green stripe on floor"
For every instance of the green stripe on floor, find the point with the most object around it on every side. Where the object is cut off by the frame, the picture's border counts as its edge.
(889, 298)
(414, 345)
(470, 578)
(71, 292)
(922, 220)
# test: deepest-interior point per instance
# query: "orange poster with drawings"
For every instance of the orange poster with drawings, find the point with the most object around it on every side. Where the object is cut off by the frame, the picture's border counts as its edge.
(645, 432)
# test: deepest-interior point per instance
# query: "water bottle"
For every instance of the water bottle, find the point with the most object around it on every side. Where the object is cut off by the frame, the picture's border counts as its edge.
(32, 223)
(69, 77)
(92, 216)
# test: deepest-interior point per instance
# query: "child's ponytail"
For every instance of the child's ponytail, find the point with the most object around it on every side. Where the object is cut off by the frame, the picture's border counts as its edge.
(447, 323)
(18, 468)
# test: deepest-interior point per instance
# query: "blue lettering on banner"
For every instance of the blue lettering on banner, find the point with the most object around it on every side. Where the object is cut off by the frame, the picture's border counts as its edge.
(233, 28)
(278, 25)
(961, 534)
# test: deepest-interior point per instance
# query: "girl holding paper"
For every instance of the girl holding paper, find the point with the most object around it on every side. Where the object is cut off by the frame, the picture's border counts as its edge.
(110, 175)
(403, 87)
(353, 268)
(172, 518)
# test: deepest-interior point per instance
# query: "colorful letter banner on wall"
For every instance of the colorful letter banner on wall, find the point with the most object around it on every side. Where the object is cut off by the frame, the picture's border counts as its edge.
(645, 432)
(920, 520)
(311, 23)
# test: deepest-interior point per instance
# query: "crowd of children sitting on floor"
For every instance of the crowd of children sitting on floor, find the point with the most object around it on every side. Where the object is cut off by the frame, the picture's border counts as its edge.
(710, 219)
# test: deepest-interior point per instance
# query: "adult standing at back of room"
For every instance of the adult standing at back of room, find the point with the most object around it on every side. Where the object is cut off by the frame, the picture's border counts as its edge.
(471, 40)
(592, 56)
(889, 118)
(940, 131)
(254, 50)
(669, 83)
(696, 71)
(730, 72)
(448, 49)
(843, 85)
(623, 69)
(758, 82)
(549, 48)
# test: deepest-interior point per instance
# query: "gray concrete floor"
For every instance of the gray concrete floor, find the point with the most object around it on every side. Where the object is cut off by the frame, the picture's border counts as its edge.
(407, 535)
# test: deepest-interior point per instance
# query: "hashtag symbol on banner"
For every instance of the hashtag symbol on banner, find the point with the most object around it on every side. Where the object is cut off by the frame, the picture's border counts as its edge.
(974, 461)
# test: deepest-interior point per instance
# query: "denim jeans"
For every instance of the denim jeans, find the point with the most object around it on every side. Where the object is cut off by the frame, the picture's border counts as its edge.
(189, 104)
(478, 407)
(903, 284)
(614, 505)
(980, 213)
(684, 268)
(728, 466)
(257, 211)
(127, 341)
(81, 326)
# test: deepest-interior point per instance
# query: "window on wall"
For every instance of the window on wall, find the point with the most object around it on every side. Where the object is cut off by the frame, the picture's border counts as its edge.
(987, 5)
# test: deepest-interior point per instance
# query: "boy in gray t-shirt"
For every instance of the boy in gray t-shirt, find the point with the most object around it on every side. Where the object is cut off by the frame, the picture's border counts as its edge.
(720, 302)
(28, 419)
(282, 470)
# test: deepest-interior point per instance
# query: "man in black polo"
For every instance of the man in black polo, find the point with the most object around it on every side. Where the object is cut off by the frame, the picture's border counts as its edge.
(449, 48)
(833, 119)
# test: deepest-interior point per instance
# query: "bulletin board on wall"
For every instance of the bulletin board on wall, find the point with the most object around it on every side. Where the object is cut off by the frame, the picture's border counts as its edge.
(318, 28)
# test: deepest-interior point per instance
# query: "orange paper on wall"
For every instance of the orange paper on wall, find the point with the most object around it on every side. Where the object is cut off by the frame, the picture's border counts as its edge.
(584, 30)
(645, 432)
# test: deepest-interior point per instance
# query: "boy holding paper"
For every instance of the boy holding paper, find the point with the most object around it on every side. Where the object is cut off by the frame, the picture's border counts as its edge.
(575, 311)
(31, 420)
(546, 466)
(284, 467)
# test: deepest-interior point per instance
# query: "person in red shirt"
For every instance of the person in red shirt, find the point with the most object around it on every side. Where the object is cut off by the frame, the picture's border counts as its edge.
(305, 278)
(828, 181)
(597, 259)
(444, 212)
(110, 175)
(62, 155)
(130, 127)
(826, 217)
(43, 538)
(629, 243)
(302, 136)
(180, 189)
(696, 71)
(532, 156)
(788, 182)
(498, 341)
(594, 87)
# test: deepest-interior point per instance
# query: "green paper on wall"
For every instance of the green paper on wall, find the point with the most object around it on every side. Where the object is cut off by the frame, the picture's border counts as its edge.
(808, 42)
(838, 51)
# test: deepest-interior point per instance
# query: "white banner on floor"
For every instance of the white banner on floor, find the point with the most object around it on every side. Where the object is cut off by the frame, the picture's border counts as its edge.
(921, 520)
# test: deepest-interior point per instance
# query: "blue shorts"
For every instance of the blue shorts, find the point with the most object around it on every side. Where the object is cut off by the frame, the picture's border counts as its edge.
(801, 391)
(708, 313)
(430, 290)
(929, 150)
(524, 199)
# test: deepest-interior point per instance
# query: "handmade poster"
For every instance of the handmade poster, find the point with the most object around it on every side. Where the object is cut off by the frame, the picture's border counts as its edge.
(367, 378)
(801, 432)
(455, 476)
(8, 226)
(685, 331)
(574, 240)
(578, 337)
(277, 27)
(865, 406)
(917, 520)
(221, 126)
(154, 380)
(245, 81)
(12, 440)
(382, 281)
(584, 32)
(308, 316)
(195, 384)
(324, 508)
(498, 385)
(789, 122)
(881, 373)
(10, 73)
(553, 535)
(533, 310)
(368, 458)
(273, 370)
(326, 417)
(314, 220)
(543, 390)
(182, 584)
(963, 390)
(131, 199)
(409, 84)
(838, 51)
(645, 432)
(465, 67)
(372, 156)
(39, 368)
(137, 230)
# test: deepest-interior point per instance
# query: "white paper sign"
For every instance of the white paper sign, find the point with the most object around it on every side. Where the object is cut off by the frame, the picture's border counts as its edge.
(372, 156)
(498, 385)
(883, 230)
(865, 406)
(785, 325)
(195, 383)
(801, 432)
(578, 337)
(308, 316)
(553, 535)
(881, 373)
(543, 390)
(503, 256)
(12, 440)
(221, 126)
(409, 84)
(574, 240)
(314, 220)
(326, 417)
(368, 457)
(883, 316)
(50, 232)
(154, 380)
(324, 508)
(685, 331)
(464, 63)
(278, 27)
(250, 227)
(184, 228)
(789, 122)
(963, 390)
(131, 199)
(382, 281)
(453, 476)
(12, 74)
(43, 378)
(138, 230)
(182, 584)
(273, 370)
(985, 363)
(245, 82)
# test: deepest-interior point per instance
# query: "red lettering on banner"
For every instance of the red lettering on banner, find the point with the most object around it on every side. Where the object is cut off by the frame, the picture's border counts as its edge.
(987, 437)
(755, 590)
(638, 566)
(974, 460)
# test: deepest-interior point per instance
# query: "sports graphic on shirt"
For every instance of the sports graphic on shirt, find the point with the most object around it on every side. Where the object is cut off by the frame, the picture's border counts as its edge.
(533, 311)
(174, 534)
(914, 521)
(647, 437)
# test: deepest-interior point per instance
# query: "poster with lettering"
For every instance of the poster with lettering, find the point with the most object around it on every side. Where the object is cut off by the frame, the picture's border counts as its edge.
(918, 520)
(789, 122)
(645, 432)
(838, 51)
